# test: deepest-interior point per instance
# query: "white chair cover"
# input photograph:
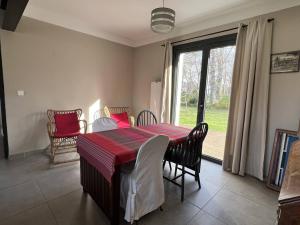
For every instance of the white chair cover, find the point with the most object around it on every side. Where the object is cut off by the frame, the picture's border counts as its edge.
(103, 124)
(142, 189)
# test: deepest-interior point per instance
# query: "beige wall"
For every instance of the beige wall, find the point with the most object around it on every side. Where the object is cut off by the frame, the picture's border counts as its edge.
(148, 67)
(59, 69)
(285, 88)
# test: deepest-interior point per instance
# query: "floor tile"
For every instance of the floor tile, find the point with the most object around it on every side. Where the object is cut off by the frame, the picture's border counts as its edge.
(214, 173)
(194, 195)
(18, 171)
(254, 190)
(174, 213)
(200, 197)
(203, 218)
(234, 209)
(77, 208)
(40, 215)
(25, 184)
(21, 197)
(59, 183)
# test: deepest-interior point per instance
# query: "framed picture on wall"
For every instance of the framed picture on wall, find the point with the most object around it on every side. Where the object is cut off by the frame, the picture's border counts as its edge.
(287, 62)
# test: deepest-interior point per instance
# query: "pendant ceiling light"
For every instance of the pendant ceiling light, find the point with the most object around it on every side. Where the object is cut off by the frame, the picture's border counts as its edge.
(162, 19)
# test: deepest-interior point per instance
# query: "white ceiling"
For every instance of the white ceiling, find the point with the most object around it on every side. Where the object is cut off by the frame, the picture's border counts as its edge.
(128, 21)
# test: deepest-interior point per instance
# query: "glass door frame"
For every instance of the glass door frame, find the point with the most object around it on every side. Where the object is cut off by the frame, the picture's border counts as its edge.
(205, 46)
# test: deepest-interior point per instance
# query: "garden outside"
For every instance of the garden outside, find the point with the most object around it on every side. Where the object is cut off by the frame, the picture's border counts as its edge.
(217, 125)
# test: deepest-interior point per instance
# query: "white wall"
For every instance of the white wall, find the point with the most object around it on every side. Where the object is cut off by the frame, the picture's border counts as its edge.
(147, 67)
(285, 88)
(58, 69)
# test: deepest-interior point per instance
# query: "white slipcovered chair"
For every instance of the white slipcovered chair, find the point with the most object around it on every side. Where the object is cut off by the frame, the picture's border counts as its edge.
(142, 189)
(103, 124)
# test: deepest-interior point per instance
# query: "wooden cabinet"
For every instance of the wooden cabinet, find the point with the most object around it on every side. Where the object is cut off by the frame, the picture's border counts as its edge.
(289, 198)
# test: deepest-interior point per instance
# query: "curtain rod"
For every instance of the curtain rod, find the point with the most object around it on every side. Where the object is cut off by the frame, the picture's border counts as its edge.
(217, 32)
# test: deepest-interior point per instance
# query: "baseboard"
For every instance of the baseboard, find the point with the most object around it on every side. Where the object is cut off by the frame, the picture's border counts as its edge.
(24, 155)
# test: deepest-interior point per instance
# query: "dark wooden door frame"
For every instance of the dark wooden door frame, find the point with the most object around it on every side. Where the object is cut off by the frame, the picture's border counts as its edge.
(11, 12)
(3, 109)
(205, 46)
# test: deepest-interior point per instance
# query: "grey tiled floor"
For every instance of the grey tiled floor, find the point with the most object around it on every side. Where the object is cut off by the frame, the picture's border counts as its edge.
(34, 193)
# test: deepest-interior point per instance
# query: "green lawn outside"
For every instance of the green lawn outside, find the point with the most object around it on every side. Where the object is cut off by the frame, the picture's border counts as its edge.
(215, 118)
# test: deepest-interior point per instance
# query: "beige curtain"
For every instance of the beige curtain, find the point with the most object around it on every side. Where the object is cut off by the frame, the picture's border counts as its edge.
(166, 95)
(247, 126)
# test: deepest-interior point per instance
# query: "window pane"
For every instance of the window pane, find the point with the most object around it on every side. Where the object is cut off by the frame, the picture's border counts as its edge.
(187, 88)
(217, 97)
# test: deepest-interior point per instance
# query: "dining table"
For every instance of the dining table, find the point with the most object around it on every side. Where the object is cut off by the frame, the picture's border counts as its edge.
(102, 155)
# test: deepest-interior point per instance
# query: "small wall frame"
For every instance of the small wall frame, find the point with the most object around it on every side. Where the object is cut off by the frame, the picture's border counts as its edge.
(287, 62)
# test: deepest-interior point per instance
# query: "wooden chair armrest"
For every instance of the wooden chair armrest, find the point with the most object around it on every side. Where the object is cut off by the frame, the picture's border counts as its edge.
(131, 120)
(51, 128)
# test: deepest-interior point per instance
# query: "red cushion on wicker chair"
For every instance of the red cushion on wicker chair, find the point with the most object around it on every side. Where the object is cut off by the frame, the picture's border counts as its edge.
(121, 119)
(67, 125)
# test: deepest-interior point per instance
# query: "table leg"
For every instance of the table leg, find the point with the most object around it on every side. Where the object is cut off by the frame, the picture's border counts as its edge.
(115, 219)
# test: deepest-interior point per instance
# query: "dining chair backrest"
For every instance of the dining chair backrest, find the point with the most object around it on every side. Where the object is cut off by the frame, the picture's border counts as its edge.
(145, 118)
(108, 110)
(149, 159)
(103, 124)
(193, 144)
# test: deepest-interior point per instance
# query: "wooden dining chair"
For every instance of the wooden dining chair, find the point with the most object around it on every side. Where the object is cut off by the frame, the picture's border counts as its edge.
(146, 117)
(188, 156)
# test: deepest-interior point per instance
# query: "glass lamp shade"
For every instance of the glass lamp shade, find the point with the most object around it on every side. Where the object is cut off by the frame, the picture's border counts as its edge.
(162, 20)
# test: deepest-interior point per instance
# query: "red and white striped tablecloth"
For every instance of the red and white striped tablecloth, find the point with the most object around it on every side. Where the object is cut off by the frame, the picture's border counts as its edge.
(104, 150)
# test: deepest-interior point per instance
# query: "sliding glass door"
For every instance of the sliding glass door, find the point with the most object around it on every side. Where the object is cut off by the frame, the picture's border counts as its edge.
(202, 86)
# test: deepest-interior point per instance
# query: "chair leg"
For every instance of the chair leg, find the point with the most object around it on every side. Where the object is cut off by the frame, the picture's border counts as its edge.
(164, 164)
(176, 167)
(182, 184)
(170, 166)
(52, 152)
(199, 184)
(198, 177)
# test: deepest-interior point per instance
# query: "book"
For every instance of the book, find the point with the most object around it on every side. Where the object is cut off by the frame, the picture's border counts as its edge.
(290, 140)
(282, 146)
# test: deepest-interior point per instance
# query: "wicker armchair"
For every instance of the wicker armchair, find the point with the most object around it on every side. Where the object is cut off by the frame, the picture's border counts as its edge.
(64, 127)
(110, 110)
